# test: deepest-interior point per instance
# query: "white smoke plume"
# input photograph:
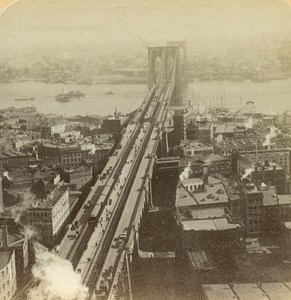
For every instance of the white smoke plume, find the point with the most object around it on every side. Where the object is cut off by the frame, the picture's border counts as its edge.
(186, 172)
(272, 134)
(29, 231)
(5, 174)
(247, 173)
(219, 139)
(271, 113)
(249, 123)
(56, 276)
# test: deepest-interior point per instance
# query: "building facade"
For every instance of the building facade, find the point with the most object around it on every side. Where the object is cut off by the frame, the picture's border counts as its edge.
(49, 215)
(8, 284)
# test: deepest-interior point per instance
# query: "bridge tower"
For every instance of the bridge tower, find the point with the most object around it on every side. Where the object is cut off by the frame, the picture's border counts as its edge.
(170, 67)
(184, 65)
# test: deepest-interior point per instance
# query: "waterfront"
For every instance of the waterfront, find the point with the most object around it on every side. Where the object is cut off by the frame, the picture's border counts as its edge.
(271, 96)
(125, 97)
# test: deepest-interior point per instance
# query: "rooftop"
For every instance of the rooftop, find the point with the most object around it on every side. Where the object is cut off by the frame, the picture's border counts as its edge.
(51, 199)
(269, 196)
(284, 199)
(214, 158)
(11, 153)
(194, 144)
(232, 189)
(220, 129)
(248, 291)
(215, 224)
(260, 165)
(4, 258)
(214, 193)
(205, 213)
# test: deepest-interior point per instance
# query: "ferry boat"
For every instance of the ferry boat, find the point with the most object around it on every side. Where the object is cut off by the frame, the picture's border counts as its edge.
(64, 97)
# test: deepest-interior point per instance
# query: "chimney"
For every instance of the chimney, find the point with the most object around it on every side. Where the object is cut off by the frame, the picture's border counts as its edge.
(5, 239)
(266, 163)
(205, 174)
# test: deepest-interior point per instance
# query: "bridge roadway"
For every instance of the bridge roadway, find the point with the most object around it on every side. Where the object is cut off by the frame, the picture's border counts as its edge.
(130, 216)
(91, 261)
(72, 244)
(105, 218)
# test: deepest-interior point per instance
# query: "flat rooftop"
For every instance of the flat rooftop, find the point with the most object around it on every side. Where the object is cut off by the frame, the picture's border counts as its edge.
(269, 196)
(50, 201)
(248, 291)
(205, 213)
(260, 166)
(214, 193)
(194, 144)
(216, 224)
(11, 153)
(284, 199)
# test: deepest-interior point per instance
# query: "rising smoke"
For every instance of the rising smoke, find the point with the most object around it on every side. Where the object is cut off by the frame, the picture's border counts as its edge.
(5, 174)
(58, 281)
(249, 123)
(219, 139)
(56, 276)
(247, 173)
(186, 172)
(272, 134)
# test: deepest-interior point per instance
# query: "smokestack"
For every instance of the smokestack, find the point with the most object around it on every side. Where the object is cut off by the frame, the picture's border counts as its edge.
(205, 174)
(5, 239)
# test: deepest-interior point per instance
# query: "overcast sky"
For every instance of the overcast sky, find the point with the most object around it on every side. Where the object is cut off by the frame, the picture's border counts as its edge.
(40, 25)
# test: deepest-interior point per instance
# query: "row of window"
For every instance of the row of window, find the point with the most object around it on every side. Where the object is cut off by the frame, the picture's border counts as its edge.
(42, 214)
(17, 160)
(72, 155)
(68, 160)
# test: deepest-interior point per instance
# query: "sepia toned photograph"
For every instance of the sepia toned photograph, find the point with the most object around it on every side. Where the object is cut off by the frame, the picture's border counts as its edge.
(145, 150)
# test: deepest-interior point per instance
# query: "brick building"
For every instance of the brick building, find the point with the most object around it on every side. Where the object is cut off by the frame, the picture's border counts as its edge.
(67, 156)
(48, 215)
(12, 158)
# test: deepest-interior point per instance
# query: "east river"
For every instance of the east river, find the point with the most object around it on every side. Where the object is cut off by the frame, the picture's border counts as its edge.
(271, 96)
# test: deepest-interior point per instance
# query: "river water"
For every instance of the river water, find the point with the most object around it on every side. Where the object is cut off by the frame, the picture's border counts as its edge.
(272, 96)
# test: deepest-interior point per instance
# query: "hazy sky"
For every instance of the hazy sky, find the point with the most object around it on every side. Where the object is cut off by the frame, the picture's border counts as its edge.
(105, 24)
